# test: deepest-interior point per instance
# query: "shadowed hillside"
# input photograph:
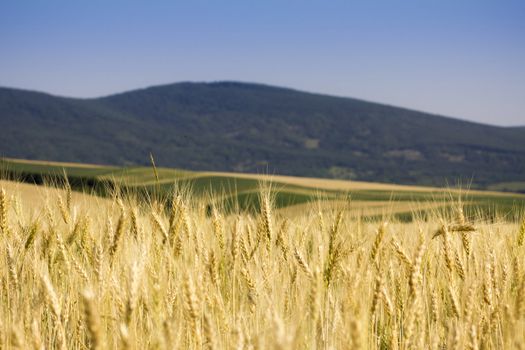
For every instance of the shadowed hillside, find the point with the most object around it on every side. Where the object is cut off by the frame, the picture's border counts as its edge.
(256, 128)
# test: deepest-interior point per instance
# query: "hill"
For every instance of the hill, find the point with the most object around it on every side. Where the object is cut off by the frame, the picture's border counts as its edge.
(229, 126)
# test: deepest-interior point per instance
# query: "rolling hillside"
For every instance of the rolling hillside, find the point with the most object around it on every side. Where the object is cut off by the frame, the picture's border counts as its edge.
(242, 191)
(243, 127)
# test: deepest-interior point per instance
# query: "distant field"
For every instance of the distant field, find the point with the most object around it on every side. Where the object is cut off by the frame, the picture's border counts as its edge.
(242, 190)
(32, 202)
(509, 186)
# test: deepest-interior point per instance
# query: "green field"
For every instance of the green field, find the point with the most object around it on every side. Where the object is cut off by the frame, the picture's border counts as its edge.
(242, 190)
(516, 186)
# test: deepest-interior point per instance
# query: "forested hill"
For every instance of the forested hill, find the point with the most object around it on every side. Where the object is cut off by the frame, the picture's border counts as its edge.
(258, 128)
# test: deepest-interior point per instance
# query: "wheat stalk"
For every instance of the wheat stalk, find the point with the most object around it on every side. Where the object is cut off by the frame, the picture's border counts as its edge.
(92, 320)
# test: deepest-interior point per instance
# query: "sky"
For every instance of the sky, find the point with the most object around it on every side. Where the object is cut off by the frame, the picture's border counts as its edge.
(458, 58)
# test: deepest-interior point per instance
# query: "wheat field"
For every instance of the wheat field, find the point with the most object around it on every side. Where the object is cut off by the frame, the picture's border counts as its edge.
(172, 273)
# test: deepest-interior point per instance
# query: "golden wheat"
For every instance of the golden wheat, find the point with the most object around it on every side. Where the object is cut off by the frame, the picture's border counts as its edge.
(171, 274)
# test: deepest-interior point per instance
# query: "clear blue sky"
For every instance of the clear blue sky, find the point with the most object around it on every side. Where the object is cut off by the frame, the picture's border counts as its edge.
(453, 57)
